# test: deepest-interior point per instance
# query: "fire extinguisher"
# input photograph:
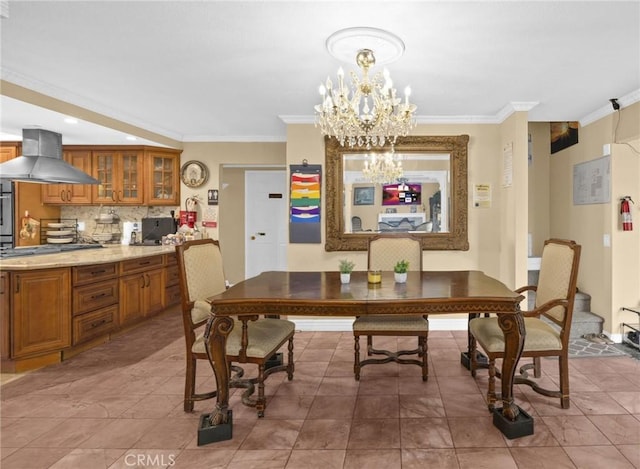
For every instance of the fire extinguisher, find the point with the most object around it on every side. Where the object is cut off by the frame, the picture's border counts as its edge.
(625, 212)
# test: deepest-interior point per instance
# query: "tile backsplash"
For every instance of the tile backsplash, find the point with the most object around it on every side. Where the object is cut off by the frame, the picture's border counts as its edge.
(87, 214)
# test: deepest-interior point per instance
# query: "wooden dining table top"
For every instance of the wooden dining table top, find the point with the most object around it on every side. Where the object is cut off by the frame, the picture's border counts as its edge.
(322, 293)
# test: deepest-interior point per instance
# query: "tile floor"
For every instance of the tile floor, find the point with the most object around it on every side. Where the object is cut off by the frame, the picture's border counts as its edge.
(120, 406)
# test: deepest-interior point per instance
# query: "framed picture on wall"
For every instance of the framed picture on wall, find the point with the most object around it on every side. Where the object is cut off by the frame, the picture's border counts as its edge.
(363, 195)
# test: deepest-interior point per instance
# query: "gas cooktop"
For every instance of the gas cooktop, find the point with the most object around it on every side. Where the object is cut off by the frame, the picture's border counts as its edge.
(7, 253)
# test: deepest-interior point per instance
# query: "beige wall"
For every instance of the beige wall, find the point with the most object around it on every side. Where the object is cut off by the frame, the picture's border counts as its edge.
(226, 163)
(609, 274)
(485, 233)
(539, 194)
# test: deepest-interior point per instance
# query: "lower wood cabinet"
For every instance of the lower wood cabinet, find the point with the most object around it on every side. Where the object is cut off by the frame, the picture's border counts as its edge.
(142, 292)
(171, 281)
(5, 315)
(94, 324)
(46, 313)
(95, 301)
(41, 319)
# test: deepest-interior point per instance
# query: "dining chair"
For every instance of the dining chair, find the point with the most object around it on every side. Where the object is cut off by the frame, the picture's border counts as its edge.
(356, 224)
(254, 341)
(384, 252)
(547, 326)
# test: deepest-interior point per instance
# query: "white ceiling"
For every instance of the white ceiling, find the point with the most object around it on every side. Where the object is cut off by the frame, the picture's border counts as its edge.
(237, 70)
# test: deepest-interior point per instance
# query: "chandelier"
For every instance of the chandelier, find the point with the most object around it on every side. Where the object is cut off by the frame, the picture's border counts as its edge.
(369, 114)
(382, 168)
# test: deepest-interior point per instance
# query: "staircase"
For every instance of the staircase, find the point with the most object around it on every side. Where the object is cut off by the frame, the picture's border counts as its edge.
(583, 321)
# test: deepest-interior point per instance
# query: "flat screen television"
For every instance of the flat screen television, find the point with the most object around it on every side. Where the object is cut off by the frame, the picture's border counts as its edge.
(401, 194)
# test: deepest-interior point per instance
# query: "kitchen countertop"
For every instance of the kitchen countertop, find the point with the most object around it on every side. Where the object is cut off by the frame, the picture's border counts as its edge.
(110, 253)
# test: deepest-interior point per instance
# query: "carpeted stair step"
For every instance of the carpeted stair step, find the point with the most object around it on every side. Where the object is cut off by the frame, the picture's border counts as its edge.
(585, 322)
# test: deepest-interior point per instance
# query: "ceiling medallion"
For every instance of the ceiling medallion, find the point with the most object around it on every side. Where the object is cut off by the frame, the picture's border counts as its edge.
(368, 113)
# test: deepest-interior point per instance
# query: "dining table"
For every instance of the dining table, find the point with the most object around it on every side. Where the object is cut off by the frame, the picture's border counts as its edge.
(321, 294)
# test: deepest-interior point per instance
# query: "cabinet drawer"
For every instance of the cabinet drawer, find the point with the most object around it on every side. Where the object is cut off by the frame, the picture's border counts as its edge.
(171, 276)
(172, 295)
(133, 265)
(91, 273)
(171, 259)
(94, 324)
(94, 296)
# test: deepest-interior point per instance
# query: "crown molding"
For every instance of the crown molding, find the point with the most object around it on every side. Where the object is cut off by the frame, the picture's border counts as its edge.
(626, 100)
(236, 138)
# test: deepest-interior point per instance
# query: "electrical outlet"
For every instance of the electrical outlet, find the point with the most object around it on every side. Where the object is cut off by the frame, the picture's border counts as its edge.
(81, 226)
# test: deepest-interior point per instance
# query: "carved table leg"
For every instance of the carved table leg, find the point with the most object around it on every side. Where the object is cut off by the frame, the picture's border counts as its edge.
(217, 426)
(511, 420)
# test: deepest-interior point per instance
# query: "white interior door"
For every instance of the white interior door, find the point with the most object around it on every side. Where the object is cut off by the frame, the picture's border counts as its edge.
(266, 221)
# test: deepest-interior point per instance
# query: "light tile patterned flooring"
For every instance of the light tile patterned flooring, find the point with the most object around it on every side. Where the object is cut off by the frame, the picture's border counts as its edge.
(120, 406)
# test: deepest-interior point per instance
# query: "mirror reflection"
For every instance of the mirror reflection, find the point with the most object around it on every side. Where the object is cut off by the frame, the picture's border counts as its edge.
(413, 196)
(420, 188)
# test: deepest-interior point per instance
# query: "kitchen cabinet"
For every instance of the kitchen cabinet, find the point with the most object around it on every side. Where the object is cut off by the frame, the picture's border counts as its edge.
(95, 301)
(5, 316)
(41, 320)
(162, 185)
(121, 176)
(171, 281)
(141, 288)
(74, 194)
(9, 150)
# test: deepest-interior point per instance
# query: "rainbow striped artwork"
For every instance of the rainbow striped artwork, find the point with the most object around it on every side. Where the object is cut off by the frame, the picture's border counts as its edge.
(305, 201)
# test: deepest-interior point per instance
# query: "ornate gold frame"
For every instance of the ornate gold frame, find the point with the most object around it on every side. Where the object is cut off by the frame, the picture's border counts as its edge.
(456, 239)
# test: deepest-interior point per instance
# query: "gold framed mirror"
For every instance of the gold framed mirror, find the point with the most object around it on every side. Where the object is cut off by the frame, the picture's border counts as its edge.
(428, 199)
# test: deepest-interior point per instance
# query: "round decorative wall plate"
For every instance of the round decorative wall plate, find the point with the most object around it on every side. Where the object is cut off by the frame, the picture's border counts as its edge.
(194, 173)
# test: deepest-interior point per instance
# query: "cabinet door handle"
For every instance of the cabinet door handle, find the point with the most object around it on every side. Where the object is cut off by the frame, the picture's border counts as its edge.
(120, 196)
(98, 323)
(100, 295)
(96, 272)
(113, 195)
(62, 195)
(148, 280)
(17, 284)
(143, 282)
(69, 195)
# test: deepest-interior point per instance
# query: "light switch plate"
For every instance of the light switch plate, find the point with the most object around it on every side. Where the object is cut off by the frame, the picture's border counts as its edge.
(606, 240)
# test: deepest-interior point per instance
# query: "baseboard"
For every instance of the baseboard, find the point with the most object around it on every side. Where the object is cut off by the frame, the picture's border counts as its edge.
(345, 324)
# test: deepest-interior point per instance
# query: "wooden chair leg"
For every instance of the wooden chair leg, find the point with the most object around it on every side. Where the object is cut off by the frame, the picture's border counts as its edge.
(290, 365)
(422, 345)
(537, 367)
(356, 363)
(369, 345)
(491, 393)
(261, 401)
(189, 384)
(563, 365)
(473, 359)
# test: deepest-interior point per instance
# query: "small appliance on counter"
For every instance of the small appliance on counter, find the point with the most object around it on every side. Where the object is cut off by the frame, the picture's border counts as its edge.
(153, 229)
(130, 232)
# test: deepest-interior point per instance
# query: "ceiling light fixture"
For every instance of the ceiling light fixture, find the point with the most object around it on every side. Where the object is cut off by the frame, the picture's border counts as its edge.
(369, 113)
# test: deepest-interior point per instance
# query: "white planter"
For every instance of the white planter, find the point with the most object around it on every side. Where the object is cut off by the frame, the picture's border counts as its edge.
(400, 278)
(345, 278)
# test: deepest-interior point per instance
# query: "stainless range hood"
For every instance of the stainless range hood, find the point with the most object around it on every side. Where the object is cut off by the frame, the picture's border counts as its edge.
(42, 162)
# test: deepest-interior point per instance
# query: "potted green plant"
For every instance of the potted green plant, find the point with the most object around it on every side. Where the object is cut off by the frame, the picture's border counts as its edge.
(346, 267)
(400, 271)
